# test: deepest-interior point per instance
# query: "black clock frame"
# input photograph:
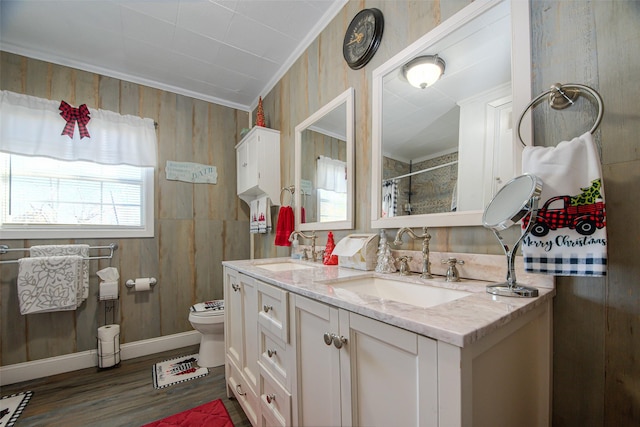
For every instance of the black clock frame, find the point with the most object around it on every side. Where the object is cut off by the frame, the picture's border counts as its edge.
(374, 42)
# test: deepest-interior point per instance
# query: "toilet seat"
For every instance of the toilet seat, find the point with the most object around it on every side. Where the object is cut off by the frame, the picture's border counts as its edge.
(211, 313)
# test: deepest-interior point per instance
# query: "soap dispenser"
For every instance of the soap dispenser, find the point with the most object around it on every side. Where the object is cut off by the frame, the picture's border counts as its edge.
(295, 249)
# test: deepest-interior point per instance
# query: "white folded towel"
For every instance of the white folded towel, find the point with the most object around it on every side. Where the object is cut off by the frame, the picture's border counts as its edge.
(264, 215)
(253, 216)
(48, 283)
(569, 237)
(62, 250)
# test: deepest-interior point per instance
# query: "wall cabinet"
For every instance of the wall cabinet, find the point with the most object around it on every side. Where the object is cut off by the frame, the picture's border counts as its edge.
(363, 372)
(258, 164)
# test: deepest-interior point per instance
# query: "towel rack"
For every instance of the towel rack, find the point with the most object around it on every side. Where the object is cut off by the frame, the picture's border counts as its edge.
(562, 96)
(291, 190)
(112, 247)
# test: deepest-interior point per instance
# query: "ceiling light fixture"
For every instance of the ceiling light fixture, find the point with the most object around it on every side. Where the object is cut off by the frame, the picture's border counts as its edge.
(424, 71)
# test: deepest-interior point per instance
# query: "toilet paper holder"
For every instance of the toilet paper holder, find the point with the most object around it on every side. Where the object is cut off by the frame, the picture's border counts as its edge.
(131, 283)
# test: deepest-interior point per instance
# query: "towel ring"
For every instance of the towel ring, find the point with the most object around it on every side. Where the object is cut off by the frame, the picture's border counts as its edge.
(563, 96)
(291, 190)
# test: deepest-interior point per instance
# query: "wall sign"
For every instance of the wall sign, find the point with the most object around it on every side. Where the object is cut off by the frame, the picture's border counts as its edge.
(191, 172)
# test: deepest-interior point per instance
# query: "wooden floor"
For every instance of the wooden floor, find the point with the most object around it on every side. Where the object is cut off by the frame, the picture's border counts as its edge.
(121, 396)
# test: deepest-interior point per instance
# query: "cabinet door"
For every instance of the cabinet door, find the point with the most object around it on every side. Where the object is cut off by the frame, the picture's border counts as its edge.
(393, 374)
(250, 330)
(247, 165)
(317, 387)
(233, 318)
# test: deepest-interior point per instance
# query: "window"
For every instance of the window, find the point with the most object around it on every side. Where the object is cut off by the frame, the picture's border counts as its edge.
(54, 186)
(45, 197)
(331, 205)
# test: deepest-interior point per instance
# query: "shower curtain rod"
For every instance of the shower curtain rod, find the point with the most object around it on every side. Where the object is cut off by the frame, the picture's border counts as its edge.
(421, 171)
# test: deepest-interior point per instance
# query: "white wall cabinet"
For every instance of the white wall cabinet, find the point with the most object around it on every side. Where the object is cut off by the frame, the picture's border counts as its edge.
(380, 376)
(258, 164)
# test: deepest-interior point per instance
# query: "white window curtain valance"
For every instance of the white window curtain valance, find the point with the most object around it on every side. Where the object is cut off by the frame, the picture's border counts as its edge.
(331, 174)
(32, 126)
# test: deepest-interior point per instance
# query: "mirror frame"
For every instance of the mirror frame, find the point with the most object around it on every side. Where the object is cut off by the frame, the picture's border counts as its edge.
(346, 97)
(521, 94)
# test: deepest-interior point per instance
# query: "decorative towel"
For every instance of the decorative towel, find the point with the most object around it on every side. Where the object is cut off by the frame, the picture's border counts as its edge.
(253, 216)
(264, 215)
(63, 250)
(569, 236)
(48, 283)
(285, 226)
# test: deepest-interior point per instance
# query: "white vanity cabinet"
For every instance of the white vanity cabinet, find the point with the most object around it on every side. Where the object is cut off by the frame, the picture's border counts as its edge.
(241, 340)
(258, 164)
(380, 376)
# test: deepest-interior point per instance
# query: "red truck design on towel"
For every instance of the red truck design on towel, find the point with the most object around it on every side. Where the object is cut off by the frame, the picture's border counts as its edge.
(581, 213)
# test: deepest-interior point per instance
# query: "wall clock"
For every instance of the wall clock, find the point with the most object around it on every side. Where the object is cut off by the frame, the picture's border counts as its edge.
(362, 38)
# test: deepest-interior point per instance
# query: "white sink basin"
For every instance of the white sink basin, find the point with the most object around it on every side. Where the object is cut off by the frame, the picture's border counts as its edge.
(421, 295)
(284, 266)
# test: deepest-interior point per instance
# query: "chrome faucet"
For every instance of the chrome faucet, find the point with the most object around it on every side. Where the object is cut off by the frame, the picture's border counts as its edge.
(312, 237)
(425, 237)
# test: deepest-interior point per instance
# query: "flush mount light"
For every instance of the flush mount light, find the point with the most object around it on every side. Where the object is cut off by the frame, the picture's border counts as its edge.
(424, 71)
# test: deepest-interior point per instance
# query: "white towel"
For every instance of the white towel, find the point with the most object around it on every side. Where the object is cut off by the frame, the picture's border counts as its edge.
(569, 237)
(253, 216)
(62, 250)
(48, 283)
(264, 215)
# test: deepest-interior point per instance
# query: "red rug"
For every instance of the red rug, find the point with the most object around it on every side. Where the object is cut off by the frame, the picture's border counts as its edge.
(212, 414)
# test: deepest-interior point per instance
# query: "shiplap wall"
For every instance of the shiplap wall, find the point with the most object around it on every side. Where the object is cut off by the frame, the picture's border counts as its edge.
(196, 225)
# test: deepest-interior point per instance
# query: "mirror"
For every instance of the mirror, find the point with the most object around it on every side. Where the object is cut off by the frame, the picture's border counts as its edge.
(324, 167)
(441, 152)
(517, 199)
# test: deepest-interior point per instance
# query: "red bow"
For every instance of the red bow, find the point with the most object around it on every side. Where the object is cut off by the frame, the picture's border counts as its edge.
(73, 115)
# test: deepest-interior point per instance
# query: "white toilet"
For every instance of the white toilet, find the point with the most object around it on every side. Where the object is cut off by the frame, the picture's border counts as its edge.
(210, 323)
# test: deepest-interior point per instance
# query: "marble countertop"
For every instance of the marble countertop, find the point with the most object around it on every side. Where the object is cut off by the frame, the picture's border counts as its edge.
(459, 322)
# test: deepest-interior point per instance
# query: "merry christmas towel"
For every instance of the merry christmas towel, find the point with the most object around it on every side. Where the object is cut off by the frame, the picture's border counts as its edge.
(569, 236)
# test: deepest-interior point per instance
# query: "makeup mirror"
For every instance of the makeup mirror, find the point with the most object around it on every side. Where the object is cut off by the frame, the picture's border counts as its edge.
(324, 167)
(518, 199)
(441, 152)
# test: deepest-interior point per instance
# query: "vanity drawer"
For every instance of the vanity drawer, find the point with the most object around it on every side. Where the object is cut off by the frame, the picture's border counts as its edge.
(275, 401)
(275, 357)
(273, 306)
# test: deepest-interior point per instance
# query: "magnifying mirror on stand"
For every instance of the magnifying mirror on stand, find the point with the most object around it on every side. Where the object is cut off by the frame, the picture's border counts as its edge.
(517, 199)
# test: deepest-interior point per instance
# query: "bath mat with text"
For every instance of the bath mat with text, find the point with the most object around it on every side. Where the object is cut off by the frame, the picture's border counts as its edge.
(176, 371)
(12, 406)
(212, 414)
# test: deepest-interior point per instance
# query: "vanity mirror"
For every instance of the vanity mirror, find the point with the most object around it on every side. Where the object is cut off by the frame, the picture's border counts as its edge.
(324, 167)
(441, 150)
(517, 199)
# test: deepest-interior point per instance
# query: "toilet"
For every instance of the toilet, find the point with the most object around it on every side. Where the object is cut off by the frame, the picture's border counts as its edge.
(208, 319)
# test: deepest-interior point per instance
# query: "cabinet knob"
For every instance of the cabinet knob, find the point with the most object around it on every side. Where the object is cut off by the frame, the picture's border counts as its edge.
(270, 353)
(239, 390)
(267, 308)
(270, 398)
(339, 341)
(328, 338)
(244, 165)
(235, 287)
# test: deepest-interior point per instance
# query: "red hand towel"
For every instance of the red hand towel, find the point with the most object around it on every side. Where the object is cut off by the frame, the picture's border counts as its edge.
(285, 226)
(303, 215)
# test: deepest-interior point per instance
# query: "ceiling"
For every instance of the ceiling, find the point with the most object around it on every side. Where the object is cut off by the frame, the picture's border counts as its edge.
(228, 52)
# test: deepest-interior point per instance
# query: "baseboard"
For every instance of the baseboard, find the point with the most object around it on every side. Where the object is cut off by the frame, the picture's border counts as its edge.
(86, 359)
